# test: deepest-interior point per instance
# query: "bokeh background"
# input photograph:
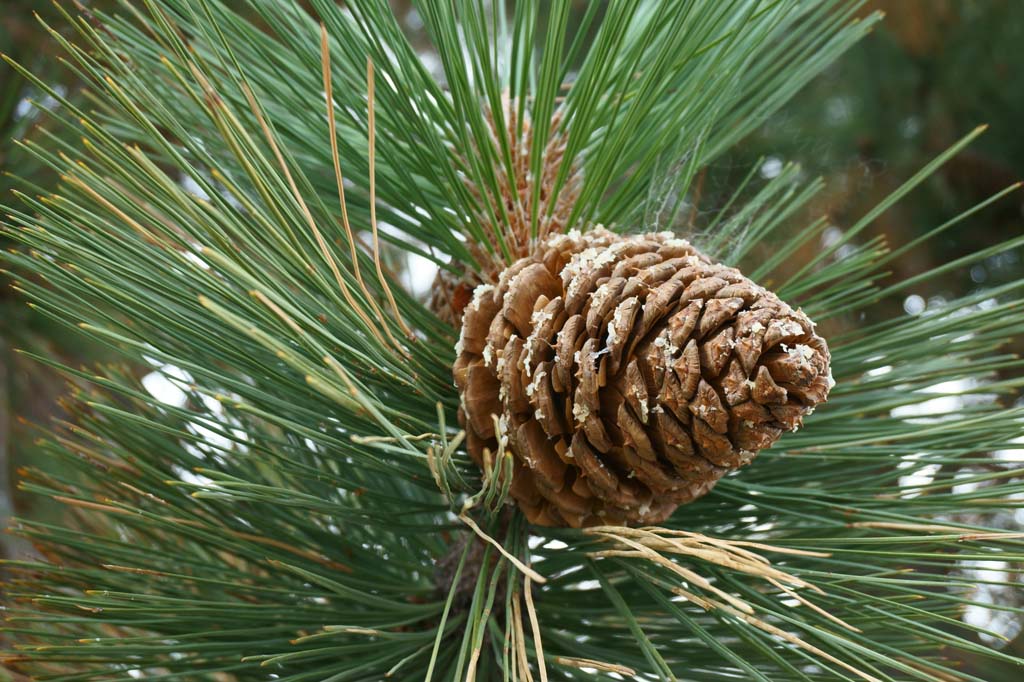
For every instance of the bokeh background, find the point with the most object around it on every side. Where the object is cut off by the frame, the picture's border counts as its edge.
(933, 72)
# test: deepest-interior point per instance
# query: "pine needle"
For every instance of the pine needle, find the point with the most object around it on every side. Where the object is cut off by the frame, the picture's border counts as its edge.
(372, 125)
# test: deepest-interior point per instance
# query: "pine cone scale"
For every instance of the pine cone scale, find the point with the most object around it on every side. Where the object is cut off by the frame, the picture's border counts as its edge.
(632, 374)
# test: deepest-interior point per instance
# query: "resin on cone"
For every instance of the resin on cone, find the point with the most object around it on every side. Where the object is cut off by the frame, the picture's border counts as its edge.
(628, 374)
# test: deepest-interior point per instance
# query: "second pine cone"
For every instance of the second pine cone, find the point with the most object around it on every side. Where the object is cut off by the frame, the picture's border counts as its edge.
(627, 374)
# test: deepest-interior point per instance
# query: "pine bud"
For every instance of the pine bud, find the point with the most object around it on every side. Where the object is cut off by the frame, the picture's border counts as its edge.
(627, 374)
(508, 209)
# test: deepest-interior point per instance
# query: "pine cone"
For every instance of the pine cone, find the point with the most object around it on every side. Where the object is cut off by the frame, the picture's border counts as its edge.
(627, 374)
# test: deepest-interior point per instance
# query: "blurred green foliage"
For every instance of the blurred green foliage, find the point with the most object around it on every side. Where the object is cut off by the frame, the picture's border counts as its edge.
(937, 69)
(29, 392)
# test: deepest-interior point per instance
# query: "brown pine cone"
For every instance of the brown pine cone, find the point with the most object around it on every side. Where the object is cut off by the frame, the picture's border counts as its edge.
(627, 374)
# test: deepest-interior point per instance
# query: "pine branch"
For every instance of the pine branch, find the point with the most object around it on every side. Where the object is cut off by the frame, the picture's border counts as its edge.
(218, 219)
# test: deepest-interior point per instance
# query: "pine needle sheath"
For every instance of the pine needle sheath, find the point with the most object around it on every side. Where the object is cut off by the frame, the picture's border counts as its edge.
(272, 482)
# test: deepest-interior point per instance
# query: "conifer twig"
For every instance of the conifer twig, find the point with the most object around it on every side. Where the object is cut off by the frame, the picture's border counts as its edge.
(523, 568)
